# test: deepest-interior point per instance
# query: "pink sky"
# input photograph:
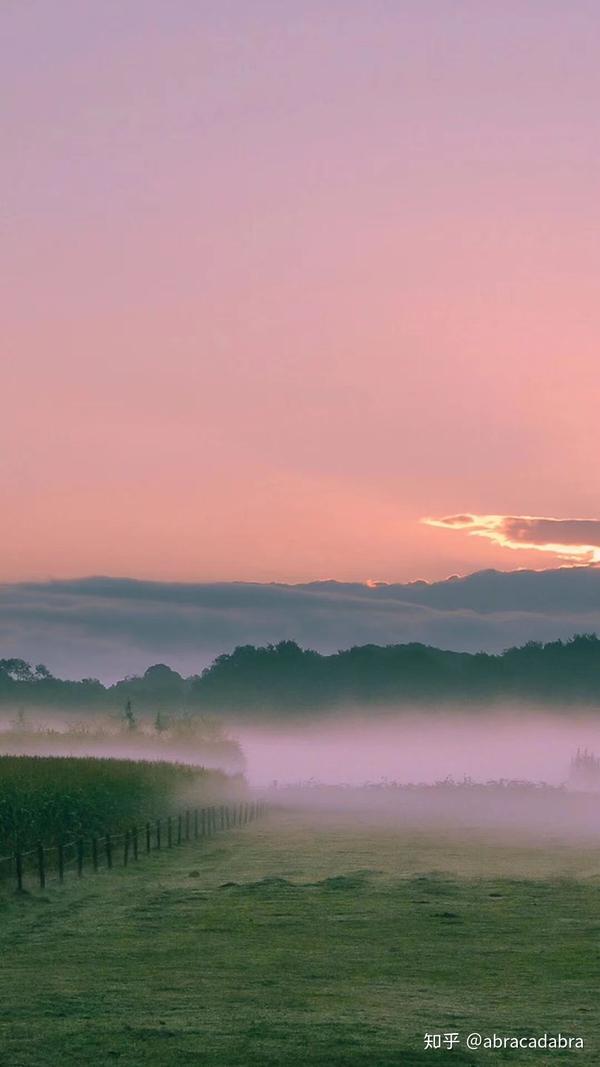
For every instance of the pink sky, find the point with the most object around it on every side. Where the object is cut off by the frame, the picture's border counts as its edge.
(282, 279)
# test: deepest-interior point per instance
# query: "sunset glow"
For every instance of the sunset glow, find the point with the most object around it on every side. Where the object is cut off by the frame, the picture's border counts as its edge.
(281, 279)
(563, 538)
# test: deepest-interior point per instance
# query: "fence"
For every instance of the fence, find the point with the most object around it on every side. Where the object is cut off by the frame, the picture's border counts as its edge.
(111, 850)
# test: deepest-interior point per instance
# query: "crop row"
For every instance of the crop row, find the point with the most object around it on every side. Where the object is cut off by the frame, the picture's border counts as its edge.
(50, 798)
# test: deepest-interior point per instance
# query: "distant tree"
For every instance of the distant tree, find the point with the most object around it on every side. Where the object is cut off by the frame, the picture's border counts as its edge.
(159, 688)
(160, 724)
(282, 678)
(17, 669)
(129, 716)
(20, 723)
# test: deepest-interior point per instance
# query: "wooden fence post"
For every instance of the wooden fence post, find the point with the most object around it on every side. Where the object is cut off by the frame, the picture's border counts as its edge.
(206, 822)
(41, 866)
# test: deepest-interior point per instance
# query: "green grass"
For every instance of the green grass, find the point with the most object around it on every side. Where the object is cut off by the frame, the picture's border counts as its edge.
(49, 798)
(306, 940)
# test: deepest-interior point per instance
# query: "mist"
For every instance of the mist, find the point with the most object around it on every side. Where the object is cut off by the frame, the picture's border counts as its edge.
(198, 741)
(508, 767)
(349, 748)
(508, 771)
(424, 747)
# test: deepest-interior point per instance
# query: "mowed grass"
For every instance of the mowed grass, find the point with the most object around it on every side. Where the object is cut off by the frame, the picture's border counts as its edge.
(310, 940)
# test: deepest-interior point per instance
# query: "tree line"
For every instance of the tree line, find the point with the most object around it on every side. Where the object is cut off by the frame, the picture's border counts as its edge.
(283, 677)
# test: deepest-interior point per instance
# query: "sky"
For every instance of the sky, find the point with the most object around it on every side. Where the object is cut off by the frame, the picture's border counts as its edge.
(283, 280)
(111, 627)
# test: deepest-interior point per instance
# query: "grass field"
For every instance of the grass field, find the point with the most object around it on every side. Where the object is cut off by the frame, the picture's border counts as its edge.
(308, 940)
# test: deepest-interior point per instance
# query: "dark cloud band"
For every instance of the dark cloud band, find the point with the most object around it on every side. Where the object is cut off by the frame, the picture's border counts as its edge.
(109, 627)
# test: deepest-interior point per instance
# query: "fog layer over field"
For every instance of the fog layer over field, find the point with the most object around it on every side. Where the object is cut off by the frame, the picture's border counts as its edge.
(510, 768)
(509, 772)
(197, 741)
(350, 748)
(420, 747)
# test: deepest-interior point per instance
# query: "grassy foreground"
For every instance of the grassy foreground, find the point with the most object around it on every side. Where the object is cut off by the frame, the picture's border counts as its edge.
(308, 940)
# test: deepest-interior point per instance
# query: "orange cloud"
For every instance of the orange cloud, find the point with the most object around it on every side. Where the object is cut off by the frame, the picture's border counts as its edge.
(573, 540)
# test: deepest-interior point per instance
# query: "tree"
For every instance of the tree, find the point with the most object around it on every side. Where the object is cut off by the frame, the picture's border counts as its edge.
(129, 716)
(160, 724)
(20, 722)
(17, 669)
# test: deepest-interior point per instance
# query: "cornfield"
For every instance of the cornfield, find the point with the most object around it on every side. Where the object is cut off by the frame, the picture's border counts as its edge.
(51, 798)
